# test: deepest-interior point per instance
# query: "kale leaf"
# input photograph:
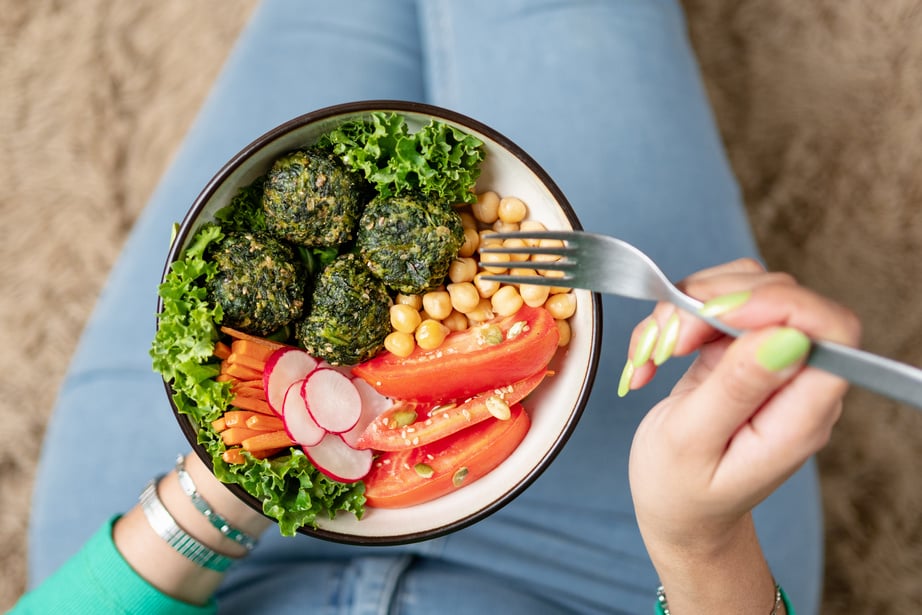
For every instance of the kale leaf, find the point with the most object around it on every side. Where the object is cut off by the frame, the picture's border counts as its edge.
(438, 160)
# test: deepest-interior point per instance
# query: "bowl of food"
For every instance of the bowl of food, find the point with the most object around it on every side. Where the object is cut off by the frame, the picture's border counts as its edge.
(329, 345)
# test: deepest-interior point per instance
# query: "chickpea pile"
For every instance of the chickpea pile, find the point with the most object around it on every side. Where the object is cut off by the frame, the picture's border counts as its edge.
(467, 300)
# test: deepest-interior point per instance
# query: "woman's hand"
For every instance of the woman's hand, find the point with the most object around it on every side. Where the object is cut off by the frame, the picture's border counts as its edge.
(745, 416)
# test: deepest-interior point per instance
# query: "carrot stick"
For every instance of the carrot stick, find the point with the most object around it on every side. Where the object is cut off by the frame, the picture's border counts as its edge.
(264, 422)
(233, 456)
(269, 452)
(246, 361)
(222, 350)
(237, 418)
(256, 383)
(238, 435)
(252, 349)
(241, 372)
(240, 335)
(224, 377)
(252, 403)
(250, 390)
(267, 439)
(219, 425)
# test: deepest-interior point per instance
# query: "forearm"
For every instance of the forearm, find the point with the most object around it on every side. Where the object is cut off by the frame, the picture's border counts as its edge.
(727, 575)
(164, 567)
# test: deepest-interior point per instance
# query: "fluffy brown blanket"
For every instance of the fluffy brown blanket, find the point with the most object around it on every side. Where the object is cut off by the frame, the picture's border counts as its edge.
(821, 109)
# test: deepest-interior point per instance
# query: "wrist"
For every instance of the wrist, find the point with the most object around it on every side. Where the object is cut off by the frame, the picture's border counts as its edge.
(715, 575)
(221, 500)
(174, 546)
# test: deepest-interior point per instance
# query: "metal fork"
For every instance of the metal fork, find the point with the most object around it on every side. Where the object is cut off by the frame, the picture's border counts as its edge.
(609, 265)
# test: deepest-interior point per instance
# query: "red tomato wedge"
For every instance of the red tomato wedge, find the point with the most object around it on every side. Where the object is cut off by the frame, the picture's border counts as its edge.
(410, 477)
(411, 425)
(468, 362)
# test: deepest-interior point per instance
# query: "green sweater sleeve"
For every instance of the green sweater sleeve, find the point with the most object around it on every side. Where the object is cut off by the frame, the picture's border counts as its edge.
(99, 580)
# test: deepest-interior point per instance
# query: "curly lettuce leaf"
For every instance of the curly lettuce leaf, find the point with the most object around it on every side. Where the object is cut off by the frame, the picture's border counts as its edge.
(438, 160)
(245, 210)
(293, 492)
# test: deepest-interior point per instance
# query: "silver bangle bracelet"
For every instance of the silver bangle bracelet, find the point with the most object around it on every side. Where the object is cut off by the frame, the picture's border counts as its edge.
(216, 520)
(165, 526)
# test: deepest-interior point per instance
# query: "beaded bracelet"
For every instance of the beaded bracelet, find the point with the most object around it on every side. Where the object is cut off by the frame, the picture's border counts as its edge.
(662, 606)
(216, 520)
(165, 526)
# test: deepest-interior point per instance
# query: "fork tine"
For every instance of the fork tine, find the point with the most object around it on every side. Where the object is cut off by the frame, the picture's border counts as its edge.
(537, 266)
(548, 250)
(536, 280)
(563, 235)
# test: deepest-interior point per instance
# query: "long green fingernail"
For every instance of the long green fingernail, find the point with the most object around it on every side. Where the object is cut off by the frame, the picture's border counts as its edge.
(784, 348)
(667, 340)
(624, 385)
(724, 303)
(645, 344)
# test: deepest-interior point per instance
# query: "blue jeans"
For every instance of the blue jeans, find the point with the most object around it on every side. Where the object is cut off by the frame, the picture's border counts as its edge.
(607, 97)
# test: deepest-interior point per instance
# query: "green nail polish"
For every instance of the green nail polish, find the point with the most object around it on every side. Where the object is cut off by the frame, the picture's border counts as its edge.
(645, 344)
(667, 341)
(624, 385)
(784, 348)
(724, 303)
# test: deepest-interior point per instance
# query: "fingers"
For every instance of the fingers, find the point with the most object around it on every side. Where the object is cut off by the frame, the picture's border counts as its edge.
(745, 297)
(748, 373)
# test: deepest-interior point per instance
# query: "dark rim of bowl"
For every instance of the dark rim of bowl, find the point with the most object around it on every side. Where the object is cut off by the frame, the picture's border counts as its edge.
(356, 108)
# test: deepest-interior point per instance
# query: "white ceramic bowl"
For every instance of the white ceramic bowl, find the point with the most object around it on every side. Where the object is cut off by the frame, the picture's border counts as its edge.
(555, 407)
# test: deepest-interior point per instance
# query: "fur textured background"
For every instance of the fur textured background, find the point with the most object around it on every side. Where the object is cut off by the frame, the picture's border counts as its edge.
(820, 104)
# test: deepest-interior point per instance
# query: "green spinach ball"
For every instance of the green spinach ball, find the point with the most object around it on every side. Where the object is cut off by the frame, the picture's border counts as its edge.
(349, 315)
(312, 199)
(260, 282)
(408, 242)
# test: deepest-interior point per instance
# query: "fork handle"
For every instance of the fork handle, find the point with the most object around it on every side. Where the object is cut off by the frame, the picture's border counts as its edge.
(891, 378)
(885, 376)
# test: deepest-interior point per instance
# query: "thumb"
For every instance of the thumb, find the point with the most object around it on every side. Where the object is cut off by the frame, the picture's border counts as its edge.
(753, 367)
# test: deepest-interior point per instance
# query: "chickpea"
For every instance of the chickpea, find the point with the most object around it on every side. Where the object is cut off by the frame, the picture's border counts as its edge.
(467, 219)
(516, 243)
(414, 301)
(430, 334)
(404, 318)
(552, 273)
(400, 343)
(482, 313)
(464, 296)
(561, 306)
(462, 269)
(506, 301)
(486, 288)
(456, 321)
(471, 242)
(534, 295)
(486, 240)
(547, 243)
(486, 209)
(564, 331)
(531, 226)
(494, 263)
(522, 271)
(437, 304)
(512, 209)
(505, 227)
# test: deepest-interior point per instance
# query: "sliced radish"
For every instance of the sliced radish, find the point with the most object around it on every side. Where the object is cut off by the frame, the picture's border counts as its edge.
(332, 400)
(338, 461)
(345, 370)
(373, 404)
(300, 425)
(285, 366)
